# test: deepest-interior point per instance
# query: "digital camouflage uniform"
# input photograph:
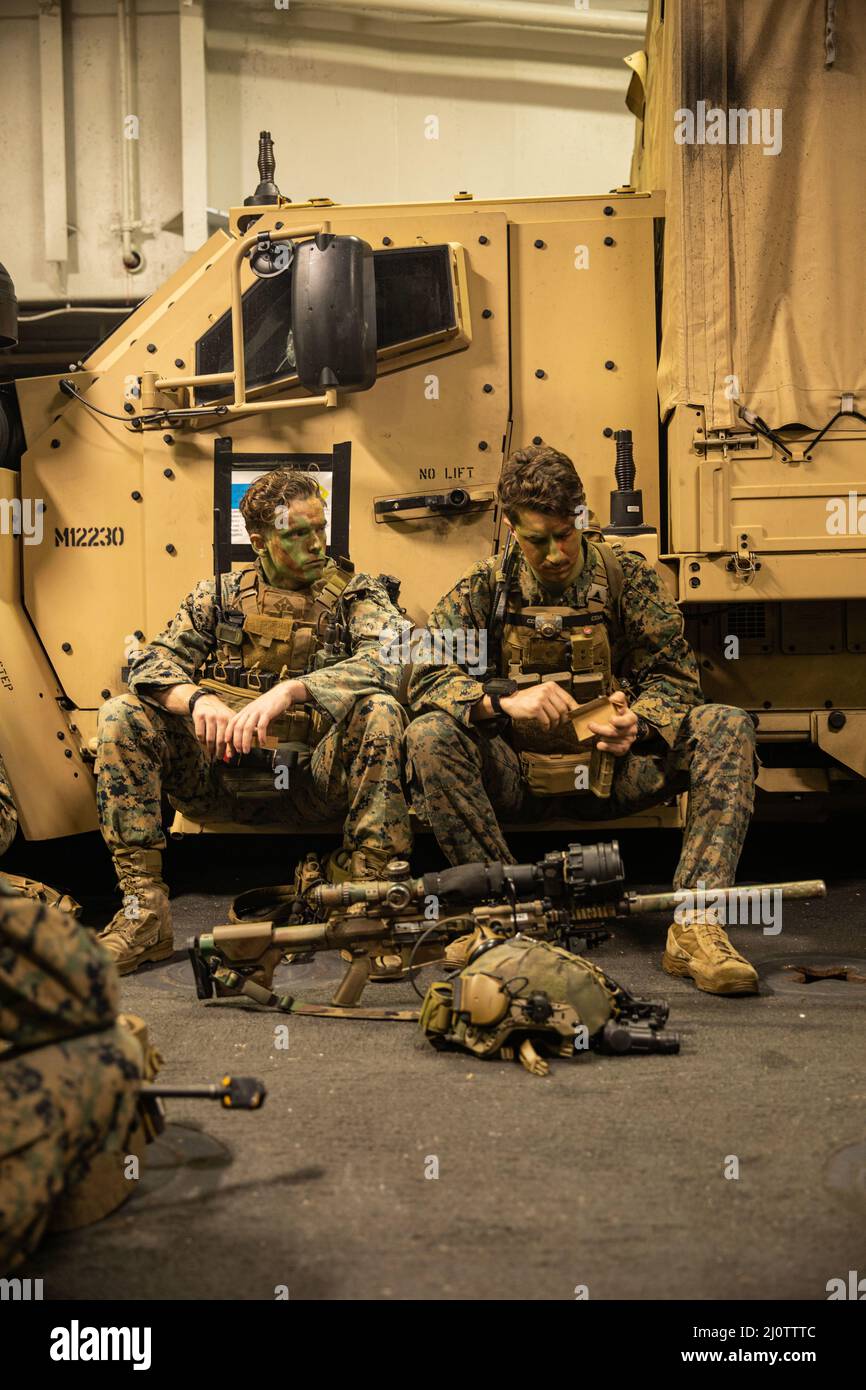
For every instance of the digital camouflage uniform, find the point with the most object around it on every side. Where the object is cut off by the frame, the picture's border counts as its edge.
(68, 1072)
(355, 768)
(30, 887)
(463, 775)
(8, 813)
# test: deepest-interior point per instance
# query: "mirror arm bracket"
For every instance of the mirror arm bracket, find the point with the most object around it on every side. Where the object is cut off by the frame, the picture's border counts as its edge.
(237, 377)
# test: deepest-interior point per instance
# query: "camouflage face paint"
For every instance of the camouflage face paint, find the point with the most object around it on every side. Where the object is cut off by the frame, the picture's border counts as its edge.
(293, 550)
(552, 547)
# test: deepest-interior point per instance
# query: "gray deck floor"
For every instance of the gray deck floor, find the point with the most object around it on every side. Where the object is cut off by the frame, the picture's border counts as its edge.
(609, 1174)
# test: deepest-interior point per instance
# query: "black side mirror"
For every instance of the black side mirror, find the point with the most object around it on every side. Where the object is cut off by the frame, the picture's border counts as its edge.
(334, 313)
(9, 308)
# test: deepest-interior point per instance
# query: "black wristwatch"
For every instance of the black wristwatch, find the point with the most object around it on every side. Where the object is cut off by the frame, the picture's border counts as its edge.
(644, 730)
(197, 695)
(498, 690)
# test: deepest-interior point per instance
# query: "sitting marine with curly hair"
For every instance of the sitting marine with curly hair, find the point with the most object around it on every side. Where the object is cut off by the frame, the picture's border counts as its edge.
(288, 653)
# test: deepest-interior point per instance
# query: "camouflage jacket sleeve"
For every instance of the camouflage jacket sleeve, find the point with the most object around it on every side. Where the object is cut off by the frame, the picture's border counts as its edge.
(373, 623)
(652, 659)
(55, 978)
(455, 686)
(8, 813)
(177, 655)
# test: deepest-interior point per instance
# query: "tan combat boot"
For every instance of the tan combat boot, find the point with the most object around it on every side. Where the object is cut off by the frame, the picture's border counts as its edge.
(372, 864)
(699, 947)
(141, 930)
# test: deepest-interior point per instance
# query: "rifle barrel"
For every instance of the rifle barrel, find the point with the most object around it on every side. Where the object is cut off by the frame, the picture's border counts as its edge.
(708, 898)
(192, 1092)
(233, 1092)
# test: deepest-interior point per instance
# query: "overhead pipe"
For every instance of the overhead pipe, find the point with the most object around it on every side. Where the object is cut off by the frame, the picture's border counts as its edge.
(55, 227)
(75, 309)
(130, 214)
(604, 23)
(193, 125)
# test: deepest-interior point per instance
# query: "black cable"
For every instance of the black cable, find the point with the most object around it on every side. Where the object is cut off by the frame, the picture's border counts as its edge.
(165, 417)
(855, 414)
(508, 987)
(135, 422)
(763, 428)
(70, 389)
(415, 945)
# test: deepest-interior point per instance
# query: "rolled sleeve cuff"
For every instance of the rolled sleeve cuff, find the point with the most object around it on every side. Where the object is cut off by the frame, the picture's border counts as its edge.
(466, 704)
(334, 702)
(163, 677)
(458, 700)
(336, 688)
(659, 718)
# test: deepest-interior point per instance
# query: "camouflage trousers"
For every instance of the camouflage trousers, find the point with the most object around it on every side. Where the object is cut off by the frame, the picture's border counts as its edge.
(354, 773)
(60, 1107)
(461, 779)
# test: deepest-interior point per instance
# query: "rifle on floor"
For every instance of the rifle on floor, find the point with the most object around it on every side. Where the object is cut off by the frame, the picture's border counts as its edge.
(387, 929)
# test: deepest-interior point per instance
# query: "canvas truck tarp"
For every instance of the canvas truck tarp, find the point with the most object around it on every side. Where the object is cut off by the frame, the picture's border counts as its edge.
(751, 115)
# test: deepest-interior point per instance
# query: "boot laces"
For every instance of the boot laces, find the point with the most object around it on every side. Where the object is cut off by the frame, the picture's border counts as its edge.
(133, 912)
(715, 934)
(121, 927)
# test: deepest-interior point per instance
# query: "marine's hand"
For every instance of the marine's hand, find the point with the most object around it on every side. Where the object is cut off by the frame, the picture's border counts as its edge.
(254, 721)
(547, 704)
(618, 736)
(210, 718)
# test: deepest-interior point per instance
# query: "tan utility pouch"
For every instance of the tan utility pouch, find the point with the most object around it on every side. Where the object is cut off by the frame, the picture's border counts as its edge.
(435, 1016)
(272, 642)
(42, 893)
(268, 628)
(565, 774)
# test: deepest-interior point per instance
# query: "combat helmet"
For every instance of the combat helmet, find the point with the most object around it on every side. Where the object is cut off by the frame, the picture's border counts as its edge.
(518, 996)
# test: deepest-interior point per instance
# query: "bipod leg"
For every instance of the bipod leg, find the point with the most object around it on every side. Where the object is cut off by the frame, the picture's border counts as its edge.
(239, 985)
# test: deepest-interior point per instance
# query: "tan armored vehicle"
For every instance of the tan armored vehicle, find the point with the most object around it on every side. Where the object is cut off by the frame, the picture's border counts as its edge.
(403, 350)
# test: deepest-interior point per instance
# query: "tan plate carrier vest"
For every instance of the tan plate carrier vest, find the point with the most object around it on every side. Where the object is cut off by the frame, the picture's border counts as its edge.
(271, 635)
(571, 647)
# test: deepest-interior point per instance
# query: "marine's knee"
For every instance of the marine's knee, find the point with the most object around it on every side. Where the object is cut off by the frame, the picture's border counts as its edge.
(122, 712)
(435, 742)
(431, 733)
(379, 713)
(723, 723)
